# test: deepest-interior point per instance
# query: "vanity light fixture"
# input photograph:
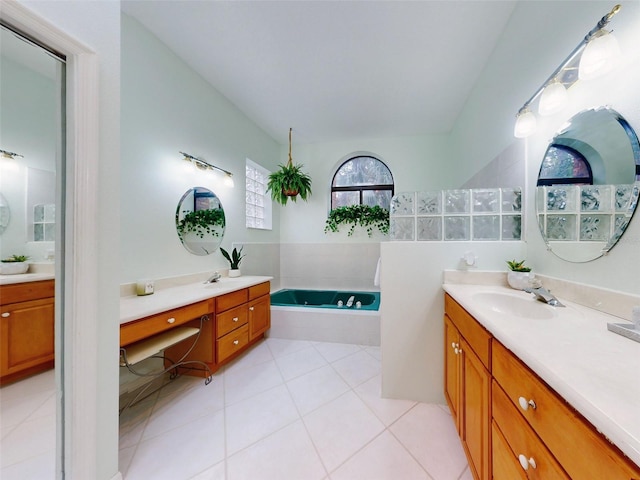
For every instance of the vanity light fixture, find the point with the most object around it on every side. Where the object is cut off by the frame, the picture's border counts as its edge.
(10, 155)
(204, 165)
(554, 98)
(595, 55)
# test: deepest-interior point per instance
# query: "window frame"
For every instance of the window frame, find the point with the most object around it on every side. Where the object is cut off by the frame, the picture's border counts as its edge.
(361, 188)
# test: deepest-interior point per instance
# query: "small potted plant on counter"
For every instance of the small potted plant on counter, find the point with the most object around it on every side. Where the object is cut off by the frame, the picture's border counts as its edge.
(519, 276)
(234, 260)
(15, 264)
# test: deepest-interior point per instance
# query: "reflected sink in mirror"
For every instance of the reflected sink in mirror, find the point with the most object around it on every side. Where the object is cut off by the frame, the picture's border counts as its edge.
(512, 305)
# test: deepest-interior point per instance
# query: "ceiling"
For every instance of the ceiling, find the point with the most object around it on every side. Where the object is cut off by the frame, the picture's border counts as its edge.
(334, 70)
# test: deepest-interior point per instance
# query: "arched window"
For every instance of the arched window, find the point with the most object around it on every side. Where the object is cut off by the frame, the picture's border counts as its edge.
(362, 180)
(564, 165)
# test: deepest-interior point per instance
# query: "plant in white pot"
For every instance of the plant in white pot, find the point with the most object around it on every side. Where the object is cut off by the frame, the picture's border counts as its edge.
(13, 265)
(234, 260)
(519, 276)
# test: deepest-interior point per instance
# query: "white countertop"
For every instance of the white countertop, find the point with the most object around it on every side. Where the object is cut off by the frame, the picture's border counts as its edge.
(25, 277)
(596, 371)
(135, 307)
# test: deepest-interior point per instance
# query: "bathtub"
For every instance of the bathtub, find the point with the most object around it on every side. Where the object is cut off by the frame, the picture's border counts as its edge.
(316, 315)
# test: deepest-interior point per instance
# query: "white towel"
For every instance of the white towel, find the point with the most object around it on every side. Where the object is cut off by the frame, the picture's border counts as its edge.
(376, 278)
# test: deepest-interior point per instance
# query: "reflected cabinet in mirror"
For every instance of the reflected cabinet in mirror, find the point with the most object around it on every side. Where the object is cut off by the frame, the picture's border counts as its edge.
(587, 189)
(200, 221)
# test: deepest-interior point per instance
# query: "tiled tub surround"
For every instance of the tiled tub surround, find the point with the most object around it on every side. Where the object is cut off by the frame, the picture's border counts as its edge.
(592, 369)
(360, 327)
(487, 214)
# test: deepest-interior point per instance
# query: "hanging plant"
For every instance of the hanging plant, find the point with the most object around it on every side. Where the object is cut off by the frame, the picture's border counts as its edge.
(202, 222)
(289, 181)
(362, 215)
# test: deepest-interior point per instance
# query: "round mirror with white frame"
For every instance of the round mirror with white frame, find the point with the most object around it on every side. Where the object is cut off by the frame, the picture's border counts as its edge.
(588, 184)
(200, 221)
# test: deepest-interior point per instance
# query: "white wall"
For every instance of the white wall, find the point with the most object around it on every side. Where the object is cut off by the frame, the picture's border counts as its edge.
(417, 163)
(166, 108)
(524, 58)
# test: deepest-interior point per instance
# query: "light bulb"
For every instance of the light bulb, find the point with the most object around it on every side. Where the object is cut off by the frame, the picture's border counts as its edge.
(599, 56)
(525, 124)
(554, 98)
(228, 181)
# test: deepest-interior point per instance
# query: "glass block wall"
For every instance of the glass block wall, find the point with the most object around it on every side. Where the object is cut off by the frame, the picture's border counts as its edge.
(585, 213)
(484, 214)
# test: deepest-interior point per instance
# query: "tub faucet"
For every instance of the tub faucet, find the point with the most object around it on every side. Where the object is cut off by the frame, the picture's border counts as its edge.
(545, 296)
(213, 278)
(350, 301)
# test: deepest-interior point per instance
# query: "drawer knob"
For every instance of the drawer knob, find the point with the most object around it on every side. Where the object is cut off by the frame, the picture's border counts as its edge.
(6, 314)
(525, 462)
(171, 320)
(525, 404)
(252, 308)
(236, 342)
(235, 319)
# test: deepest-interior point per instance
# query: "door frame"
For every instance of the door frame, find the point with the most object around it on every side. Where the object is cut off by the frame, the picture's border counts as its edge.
(77, 259)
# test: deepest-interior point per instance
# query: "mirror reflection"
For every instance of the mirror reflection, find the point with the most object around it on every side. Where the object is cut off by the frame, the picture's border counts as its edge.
(200, 221)
(587, 189)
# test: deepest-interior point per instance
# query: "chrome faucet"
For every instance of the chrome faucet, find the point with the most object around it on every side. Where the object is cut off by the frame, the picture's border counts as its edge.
(350, 301)
(213, 278)
(545, 296)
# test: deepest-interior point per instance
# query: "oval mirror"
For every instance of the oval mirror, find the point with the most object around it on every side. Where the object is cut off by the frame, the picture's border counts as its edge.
(200, 221)
(587, 189)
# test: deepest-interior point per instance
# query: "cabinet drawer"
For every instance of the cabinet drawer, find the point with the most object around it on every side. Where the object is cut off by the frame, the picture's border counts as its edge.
(504, 462)
(580, 449)
(23, 292)
(230, 320)
(138, 329)
(259, 290)
(230, 300)
(522, 440)
(232, 342)
(475, 335)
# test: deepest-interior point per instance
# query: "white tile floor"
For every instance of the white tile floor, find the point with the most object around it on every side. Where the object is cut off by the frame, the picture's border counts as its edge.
(289, 410)
(286, 410)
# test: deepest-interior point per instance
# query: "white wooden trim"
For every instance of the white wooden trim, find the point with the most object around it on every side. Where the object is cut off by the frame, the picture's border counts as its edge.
(78, 396)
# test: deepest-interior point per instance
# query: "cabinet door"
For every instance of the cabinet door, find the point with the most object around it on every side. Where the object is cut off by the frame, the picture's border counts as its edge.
(452, 369)
(259, 316)
(476, 412)
(27, 331)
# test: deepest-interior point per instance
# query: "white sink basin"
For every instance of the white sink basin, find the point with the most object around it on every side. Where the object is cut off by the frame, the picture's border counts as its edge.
(514, 305)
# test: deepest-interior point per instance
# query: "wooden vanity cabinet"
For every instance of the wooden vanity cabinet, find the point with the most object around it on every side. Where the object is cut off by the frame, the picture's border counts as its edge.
(237, 320)
(511, 423)
(27, 326)
(468, 385)
(577, 446)
(259, 310)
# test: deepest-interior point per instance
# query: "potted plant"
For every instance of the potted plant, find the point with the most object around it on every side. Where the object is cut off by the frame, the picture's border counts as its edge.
(363, 215)
(234, 260)
(519, 276)
(289, 181)
(14, 264)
